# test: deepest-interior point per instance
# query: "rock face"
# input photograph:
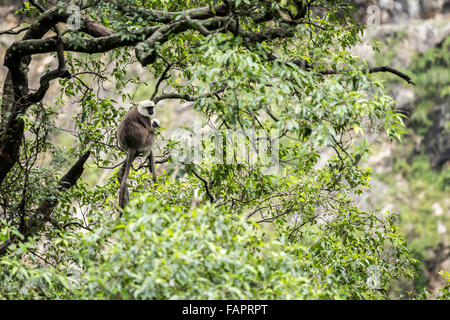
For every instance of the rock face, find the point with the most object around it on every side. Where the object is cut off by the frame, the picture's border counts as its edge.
(410, 28)
(397, 11)
(437, 137)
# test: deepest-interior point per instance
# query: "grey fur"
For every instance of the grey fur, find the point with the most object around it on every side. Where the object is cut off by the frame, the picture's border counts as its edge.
(136, 134)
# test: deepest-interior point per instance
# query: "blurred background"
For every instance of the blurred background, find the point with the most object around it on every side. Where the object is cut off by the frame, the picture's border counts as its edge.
(411, 178)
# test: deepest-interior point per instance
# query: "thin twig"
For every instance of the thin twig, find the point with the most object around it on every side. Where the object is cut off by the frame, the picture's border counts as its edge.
(11, 31)
(163, 77)
(211, 198)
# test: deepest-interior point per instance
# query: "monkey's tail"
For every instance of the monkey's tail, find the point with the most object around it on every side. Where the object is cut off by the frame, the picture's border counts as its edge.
(123, 192)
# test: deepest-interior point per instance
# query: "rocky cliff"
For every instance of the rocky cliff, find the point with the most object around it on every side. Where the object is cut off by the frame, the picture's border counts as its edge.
(398, 11)
(410, 28)
(413, 178)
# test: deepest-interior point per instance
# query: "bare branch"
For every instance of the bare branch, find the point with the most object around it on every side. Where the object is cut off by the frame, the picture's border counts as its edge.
(163, 77)
(377, 69)
(11, 31)
(394, 71)
(186, 96)
(206, 184)
(60, 72)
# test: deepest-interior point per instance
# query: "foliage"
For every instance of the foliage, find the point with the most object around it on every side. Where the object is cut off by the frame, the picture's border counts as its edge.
(444, 292)
(167, 251)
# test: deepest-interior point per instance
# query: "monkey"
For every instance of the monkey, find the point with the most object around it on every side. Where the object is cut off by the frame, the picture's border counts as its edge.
(135, 134)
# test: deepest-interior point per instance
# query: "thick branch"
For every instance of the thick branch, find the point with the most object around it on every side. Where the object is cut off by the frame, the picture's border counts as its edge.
(15, 89)
(95, 28)
(394, 71)
(146, 51)
(68, 180)
(60, 72)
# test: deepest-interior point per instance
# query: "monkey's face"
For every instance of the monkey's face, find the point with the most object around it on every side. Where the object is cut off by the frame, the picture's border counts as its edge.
(146, 108)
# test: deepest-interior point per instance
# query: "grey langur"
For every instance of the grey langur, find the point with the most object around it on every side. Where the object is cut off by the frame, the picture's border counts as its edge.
(136, 134)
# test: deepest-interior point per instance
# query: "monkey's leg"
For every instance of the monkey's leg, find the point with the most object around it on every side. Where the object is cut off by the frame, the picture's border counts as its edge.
(151, 160)
(121, 172)
(123, 191)
(126, 195)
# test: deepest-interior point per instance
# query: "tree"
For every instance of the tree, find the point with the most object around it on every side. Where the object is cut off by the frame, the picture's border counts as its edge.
(281, 69)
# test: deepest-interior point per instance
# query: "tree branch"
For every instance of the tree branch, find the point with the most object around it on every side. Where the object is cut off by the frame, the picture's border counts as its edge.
(11, 31)
(377, 69)
(60, 72)
(163, 77)
(187, 97)
(206, 184)
(95, 28)
(43, 212)
(394, 71)
(16, 97)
